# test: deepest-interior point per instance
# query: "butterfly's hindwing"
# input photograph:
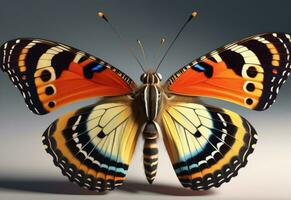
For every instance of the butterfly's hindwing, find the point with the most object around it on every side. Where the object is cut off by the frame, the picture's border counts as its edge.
(249, 72)
(94, 145)
(50, 75)
(207, 146)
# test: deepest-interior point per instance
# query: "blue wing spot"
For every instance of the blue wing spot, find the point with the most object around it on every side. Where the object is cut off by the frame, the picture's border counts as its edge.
(199, 68)
(91, 68)
(98, 68)
(205, 68)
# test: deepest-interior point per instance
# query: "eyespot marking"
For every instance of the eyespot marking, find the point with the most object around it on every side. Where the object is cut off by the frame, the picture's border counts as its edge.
(49, 90)
(45, 75)
(252, 72)
(52, 104)
(249, 101)
(250, 87)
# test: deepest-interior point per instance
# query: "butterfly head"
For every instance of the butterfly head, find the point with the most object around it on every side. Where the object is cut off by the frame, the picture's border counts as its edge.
(151, 77)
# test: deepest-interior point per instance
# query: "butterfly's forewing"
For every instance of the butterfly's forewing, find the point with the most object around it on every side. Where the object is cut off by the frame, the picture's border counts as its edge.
(207, 146)
(94, 145)
(50, 75)
(249, 72)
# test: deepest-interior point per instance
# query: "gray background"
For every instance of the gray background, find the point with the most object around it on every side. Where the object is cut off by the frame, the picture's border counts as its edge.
(26, 171)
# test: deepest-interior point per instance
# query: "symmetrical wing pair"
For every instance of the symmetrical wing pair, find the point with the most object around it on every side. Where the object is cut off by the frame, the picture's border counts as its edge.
(93, 146)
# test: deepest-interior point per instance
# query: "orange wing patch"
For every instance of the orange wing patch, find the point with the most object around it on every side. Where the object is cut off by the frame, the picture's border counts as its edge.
(50, 75)
(223, 84)
(71, 86)
(249, 72)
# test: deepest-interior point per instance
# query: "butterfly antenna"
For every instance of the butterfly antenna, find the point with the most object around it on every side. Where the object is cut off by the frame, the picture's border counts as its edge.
(193, 14)
(142, 52)
(101, 15)
(162, 41)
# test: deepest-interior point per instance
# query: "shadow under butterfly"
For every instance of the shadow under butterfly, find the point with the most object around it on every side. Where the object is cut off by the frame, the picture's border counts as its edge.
(51, 186)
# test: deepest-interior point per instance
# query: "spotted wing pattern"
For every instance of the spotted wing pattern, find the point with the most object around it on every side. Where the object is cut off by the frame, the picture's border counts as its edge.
(94, 145)
(50, 75)
(207, 146)
(249, 72)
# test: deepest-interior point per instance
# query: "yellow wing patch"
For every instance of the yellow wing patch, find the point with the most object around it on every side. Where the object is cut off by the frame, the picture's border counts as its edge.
(207, 145)
(94, 145)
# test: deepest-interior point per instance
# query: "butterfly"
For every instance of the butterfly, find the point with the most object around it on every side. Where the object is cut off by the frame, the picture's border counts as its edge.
(93, 146)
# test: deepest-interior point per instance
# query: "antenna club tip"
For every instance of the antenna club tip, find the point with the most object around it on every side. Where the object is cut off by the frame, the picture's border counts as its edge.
(194, 14)
(100, 14)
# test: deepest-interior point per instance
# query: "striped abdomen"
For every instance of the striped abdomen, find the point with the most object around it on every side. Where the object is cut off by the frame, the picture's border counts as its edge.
(150, 151)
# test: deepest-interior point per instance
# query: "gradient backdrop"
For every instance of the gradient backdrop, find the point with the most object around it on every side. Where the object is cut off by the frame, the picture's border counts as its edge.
(27, 172)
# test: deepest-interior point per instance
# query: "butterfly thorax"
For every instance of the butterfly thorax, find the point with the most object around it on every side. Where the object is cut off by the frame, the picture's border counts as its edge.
(150, 93)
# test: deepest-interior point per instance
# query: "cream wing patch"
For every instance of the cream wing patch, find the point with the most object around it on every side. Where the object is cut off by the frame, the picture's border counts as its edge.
(94, 145)
(207, 146)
